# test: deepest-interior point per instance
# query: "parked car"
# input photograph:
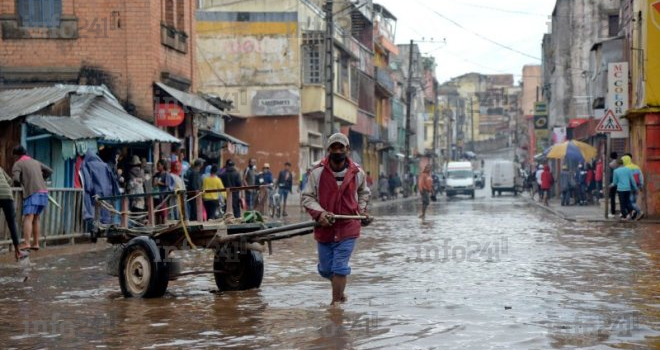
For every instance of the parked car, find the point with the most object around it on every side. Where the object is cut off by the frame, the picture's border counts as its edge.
(460, 179)
(505, 177)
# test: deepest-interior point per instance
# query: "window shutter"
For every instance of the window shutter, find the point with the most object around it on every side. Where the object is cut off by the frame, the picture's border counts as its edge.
(37, 14)
(24, 12)
(57, 13)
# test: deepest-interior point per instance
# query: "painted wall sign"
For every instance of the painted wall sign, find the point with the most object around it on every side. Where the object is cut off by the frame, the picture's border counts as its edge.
(275, 102)
(617, 88)
(169, 114)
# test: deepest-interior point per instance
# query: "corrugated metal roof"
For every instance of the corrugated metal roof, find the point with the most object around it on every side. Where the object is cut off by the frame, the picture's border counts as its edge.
(66, 127)
(118, 126)
(20, 102)
(224, 137)
(96, 114)
(190, 100)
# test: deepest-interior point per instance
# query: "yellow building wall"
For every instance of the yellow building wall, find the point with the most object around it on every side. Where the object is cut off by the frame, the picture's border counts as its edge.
(652, 52)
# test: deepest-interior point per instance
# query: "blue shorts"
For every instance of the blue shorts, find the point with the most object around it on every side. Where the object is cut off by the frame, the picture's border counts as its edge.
(284, 193)
(35, 204)
(333, 258)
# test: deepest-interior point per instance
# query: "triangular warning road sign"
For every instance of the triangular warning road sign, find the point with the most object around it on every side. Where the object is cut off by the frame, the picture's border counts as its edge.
(609, 123)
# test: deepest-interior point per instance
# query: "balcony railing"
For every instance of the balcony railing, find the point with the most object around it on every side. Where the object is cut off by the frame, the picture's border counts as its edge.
(384, 79)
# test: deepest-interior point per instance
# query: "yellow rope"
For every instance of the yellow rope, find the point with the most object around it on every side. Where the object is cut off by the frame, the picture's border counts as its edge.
(179, 206)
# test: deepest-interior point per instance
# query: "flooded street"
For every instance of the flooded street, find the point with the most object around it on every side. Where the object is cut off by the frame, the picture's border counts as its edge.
(491, 273)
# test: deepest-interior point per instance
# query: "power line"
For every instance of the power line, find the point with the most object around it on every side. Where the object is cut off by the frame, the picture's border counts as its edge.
(477, 34)
(504, 10)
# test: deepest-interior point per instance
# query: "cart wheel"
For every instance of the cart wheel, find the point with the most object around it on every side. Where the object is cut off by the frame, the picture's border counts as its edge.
(242, 271)
(142, 274)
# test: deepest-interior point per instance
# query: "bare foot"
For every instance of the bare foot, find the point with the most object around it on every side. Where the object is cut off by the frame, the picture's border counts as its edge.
(343, 299)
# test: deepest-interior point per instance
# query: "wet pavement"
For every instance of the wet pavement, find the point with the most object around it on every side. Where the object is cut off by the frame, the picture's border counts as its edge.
(488, 273)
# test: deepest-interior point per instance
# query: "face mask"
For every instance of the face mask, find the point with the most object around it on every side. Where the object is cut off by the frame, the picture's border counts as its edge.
(337, 157)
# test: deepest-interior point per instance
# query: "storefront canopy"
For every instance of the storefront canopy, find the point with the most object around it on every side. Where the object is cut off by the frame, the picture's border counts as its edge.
(94, 114)
(241, 146)
(189, 100)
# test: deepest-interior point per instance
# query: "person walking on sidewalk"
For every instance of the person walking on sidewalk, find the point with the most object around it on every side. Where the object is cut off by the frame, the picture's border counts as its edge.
(211, 200)
(336, 186)
(547, 180)
(285, 185)
(565, 184)
(232, 179)
(7, 205)
(194, 184)
(135, 185)
(31, 175)
(97, 180)
(383, 187)
(538, 174)
(250, 179)
(304, 179)
(614, 163)
(425, 189)
(624, 180)
(639, 181)
(580, 177)
(598, 177)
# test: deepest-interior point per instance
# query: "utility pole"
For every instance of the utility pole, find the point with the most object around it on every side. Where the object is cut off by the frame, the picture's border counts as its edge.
(409, 94)
(472, 124)
(329, 69)
(436, 121)
(448, 155)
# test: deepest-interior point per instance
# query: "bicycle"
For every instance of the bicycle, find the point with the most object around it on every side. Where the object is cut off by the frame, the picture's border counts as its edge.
(274, 203)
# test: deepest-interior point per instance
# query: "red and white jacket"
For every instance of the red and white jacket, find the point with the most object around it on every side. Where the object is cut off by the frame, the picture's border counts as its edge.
(323, 194)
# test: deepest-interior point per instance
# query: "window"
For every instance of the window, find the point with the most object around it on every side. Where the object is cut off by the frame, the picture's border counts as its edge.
(180, 14)
(169, 12)
(613, 22)
(343, 82)
(312, 58)
(40, 13)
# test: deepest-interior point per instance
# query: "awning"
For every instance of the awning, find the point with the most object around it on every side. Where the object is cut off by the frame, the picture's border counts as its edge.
(95, 114)
(241, 147)
(222, 137)
(574, 123)
(190, 100)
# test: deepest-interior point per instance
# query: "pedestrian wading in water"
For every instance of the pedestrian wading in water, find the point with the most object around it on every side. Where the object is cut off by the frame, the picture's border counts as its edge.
(337, 186)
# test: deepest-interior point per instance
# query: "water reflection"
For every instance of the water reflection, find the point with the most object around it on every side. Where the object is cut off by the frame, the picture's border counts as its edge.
(511, 278)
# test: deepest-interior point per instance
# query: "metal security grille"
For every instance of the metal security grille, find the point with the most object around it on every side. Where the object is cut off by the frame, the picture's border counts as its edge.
(313, 58)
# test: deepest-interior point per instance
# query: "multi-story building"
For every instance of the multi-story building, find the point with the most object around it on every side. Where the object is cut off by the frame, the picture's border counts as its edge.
(385, 134)
(433, 124)
(576, 26)
(452, 110)
(641, 30)
(417, 103)
(268, 57)
(141, 50)
(531, 94)
(490, 102)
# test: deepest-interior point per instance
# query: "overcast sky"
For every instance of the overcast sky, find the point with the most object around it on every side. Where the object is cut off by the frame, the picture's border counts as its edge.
(518, 24)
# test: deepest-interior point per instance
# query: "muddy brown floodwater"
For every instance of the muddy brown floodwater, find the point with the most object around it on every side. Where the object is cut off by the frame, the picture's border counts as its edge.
(486, 273)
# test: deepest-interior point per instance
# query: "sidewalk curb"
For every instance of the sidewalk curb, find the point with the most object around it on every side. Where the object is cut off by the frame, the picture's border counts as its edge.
(549, 209)
(570, 219)
(379, 204)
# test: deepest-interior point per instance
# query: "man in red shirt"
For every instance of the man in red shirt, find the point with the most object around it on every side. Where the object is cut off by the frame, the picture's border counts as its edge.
(425, 189)
(547, 180)
(336, 186)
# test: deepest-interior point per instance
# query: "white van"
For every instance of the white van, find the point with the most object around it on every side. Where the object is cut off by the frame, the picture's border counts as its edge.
(505, 177)
(459, 179)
